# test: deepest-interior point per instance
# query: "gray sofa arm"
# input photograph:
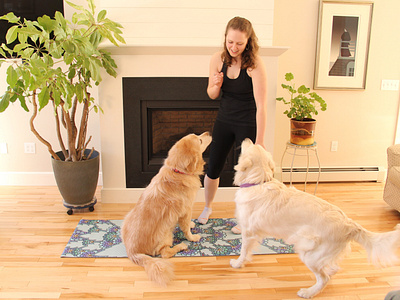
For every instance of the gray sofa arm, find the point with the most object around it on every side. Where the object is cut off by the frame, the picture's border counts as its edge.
(391, 193)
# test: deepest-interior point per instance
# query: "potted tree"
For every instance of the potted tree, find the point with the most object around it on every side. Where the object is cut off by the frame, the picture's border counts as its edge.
(303, 104)
(56, 62)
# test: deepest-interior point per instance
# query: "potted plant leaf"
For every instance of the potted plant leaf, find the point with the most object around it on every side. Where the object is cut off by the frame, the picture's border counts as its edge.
(303, 105)
(56, 63)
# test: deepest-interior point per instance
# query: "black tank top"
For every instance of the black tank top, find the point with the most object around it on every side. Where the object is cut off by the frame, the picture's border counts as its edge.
(238, 106)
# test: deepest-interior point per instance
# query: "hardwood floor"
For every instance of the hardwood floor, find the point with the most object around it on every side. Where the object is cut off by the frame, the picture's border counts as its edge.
(34, 229)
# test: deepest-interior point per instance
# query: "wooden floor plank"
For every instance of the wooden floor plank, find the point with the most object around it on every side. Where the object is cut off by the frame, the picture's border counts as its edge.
(34, 229)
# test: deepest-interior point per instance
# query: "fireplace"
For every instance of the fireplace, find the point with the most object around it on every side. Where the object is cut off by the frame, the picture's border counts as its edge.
(158, 111)
(166, 125)
(148, 65)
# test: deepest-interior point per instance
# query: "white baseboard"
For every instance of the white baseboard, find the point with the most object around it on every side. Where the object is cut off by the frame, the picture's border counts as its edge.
(32, 179)
(227, 194)
(333, 174)
(123, 195)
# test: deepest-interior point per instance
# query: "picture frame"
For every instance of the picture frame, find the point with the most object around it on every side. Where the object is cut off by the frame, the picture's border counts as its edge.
(343, 38)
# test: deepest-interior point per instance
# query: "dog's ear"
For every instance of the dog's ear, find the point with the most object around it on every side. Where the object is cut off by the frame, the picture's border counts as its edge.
(243, 164)
(271, 163)
(269, 167)
(246, 144)
(186, 156)
(193, 164)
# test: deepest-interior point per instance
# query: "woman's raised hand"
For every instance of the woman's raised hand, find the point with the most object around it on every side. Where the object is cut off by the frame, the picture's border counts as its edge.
(218, 79)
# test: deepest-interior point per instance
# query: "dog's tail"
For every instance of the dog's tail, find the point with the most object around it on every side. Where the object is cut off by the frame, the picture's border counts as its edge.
(158, 270)
(381, 247)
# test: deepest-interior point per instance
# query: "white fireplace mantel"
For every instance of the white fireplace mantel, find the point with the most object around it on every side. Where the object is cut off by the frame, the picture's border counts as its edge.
(156, 61)
(184, 50)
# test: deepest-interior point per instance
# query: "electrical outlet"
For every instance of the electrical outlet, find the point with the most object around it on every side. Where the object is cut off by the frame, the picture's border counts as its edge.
(3, 148)
(390, 85)
(30, 147)
(334, 146)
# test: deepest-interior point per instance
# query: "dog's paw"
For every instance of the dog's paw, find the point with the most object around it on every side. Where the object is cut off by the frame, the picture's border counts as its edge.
(195, 238)
(305, 293)
(182, 246)
(192, 224)
(235, 263)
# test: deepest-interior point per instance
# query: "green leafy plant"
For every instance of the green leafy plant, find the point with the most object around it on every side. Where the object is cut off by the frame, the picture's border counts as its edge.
(303, 104)
(56, 62)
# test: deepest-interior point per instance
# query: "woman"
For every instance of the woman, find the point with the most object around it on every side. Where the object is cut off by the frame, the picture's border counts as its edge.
(239, 72)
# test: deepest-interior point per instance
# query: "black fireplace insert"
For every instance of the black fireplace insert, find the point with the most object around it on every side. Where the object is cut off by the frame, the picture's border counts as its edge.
(158, 111)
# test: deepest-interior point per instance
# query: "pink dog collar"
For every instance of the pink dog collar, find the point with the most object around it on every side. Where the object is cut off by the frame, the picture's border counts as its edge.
(180, 172)
(246, 185)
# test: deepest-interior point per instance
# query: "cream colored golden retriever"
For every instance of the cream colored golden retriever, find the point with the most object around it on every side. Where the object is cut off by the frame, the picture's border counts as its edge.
(319, 230)
(167, 201)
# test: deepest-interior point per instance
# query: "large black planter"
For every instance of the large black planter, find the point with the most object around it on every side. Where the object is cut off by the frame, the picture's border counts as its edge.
(77, 181)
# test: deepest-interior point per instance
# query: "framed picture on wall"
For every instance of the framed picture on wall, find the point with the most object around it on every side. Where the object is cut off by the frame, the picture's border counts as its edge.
(344, 29)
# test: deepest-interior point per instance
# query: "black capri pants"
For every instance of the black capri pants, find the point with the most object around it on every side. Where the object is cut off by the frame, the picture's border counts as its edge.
(223, 137)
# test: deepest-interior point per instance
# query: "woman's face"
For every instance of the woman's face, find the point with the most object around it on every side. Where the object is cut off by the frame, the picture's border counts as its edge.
(235, 42)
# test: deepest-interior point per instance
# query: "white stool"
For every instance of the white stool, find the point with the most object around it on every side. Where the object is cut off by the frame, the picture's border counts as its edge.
(308, 148)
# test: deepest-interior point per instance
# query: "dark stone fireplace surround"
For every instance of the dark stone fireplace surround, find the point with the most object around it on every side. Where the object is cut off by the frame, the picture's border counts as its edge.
(140, 96)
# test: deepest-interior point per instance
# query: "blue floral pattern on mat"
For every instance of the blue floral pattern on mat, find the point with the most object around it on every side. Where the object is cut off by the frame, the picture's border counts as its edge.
(101, 238)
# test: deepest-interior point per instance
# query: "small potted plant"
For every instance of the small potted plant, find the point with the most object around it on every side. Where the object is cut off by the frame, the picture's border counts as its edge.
(303, 104)
(55, 63)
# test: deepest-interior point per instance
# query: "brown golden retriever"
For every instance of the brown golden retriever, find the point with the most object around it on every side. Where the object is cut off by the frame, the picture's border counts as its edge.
(320, 231)
(166, 201)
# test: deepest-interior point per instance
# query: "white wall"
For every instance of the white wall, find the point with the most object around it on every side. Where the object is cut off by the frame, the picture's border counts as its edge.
(362, 121)
(187, 23)
(19, 168)
(146, 23)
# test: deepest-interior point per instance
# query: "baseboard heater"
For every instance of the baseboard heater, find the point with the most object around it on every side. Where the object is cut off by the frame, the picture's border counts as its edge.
(332, 174)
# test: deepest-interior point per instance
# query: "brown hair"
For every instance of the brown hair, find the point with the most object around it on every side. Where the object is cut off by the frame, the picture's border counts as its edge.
(249, 54)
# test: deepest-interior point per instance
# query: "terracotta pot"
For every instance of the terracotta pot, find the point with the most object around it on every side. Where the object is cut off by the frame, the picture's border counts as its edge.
(302, 132)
